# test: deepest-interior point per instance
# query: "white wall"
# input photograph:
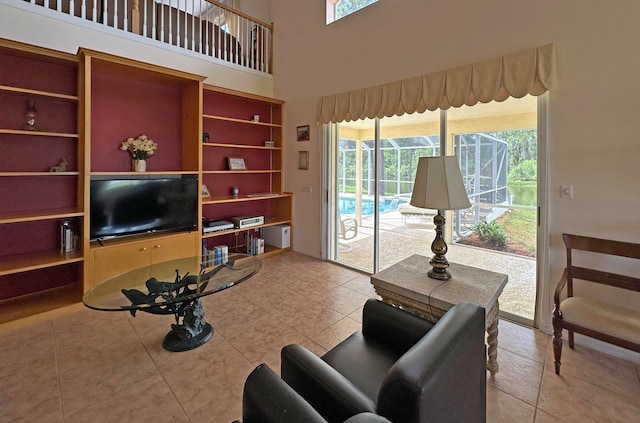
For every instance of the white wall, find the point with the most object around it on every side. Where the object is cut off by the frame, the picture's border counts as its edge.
(64, 33)
(593, 136)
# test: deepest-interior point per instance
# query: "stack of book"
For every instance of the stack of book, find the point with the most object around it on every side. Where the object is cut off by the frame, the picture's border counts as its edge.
(253, 245)
(219, 254)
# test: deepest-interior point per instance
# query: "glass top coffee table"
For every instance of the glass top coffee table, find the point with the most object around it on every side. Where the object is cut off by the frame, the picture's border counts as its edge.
(173, 287)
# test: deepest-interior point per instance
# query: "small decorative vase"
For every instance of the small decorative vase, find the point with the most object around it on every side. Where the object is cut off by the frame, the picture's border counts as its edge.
(140, 165)
(30, 116)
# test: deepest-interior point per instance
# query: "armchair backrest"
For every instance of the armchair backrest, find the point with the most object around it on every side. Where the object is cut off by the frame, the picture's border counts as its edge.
(442, 378)
(384, 323)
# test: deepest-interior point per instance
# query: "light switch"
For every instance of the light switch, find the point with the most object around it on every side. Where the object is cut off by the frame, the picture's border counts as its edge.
(306, 188)
(566, 191)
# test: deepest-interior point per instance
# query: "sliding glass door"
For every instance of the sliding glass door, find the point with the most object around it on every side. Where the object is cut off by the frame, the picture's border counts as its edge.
(372, 165)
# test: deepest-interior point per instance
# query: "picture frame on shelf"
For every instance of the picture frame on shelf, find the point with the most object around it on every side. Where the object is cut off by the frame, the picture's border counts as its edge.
(303, 133)
(303, 160)
(236, 163)
(205, 191)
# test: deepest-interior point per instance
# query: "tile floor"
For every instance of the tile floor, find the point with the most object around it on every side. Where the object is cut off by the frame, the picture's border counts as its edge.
(110, 367)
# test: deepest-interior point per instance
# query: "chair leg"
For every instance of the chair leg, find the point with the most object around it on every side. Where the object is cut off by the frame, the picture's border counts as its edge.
(557, 346)
(571, 345)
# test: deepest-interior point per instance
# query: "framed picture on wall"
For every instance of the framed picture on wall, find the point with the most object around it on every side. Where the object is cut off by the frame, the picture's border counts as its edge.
(303, 160)
(303, 133)
(236, 163)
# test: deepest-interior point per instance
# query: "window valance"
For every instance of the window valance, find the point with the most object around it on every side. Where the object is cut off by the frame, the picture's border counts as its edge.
(515, 75)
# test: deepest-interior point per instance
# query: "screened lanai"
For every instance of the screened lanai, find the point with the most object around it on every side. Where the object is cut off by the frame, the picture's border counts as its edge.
(483, 162)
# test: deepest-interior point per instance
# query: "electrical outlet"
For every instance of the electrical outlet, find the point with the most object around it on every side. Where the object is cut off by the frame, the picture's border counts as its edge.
(566, 191)
(306, 188)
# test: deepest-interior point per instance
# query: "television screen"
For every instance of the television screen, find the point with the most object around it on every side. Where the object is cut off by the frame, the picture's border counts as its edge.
(134, 206)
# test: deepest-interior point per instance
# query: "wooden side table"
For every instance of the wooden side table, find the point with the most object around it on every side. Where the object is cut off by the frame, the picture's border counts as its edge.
(406, 285)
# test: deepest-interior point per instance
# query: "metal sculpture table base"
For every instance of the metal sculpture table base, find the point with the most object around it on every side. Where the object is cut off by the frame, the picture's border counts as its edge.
(192, 333)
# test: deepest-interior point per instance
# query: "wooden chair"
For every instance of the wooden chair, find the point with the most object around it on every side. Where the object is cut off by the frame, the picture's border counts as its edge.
(596, 319)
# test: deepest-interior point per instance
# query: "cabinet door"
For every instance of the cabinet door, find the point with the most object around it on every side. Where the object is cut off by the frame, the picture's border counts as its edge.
(173, 248)
(110, 261)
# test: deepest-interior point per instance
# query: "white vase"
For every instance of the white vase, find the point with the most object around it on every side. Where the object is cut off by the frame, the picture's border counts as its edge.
(140, 165)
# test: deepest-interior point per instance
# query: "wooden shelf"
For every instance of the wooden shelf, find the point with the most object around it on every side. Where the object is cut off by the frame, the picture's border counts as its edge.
(246, 121)
(38, 93)
(40, 260)
(39, 173)
(253, 147)
(44, 214)
(37, 133)
(242, 171)
(246, 197)
(26, 309)
(159, 173)
(233, 231)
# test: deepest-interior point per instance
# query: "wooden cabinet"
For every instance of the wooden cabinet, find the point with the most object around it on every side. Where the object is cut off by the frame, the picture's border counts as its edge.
(110, 260)
(160, 103)
(86, 105)
(35, 276)
(242, 126)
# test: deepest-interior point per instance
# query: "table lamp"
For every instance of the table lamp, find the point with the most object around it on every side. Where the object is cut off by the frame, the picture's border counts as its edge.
(438, 186)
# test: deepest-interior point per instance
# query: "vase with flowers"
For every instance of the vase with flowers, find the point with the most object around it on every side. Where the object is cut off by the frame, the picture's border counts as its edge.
(140, 148)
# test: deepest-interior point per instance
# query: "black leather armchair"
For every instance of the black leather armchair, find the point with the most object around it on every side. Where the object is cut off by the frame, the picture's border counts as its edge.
(399, 366)
(268, 399)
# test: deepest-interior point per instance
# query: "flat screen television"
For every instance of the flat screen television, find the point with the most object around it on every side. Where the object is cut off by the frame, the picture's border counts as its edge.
(122, 207)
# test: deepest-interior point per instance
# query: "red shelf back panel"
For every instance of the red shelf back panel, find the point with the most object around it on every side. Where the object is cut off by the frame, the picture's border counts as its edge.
(123, 108)
(26, 193)
(249, 183)
(243, 133)
(24, 71)
(37, 154)
(225, 211)
(53, 115)
(216, 158)
(30, 237)
(38, 280)
(220, 104)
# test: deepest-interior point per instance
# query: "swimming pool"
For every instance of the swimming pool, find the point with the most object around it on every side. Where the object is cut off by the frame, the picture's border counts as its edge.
(347, 204)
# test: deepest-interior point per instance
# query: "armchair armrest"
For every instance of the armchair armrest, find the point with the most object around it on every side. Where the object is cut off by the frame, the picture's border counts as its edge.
(268, 399)
(392, 327)
(329, 392)
(556, 296)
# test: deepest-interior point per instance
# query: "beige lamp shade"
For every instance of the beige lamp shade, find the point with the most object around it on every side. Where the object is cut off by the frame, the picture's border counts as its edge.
(438, 184)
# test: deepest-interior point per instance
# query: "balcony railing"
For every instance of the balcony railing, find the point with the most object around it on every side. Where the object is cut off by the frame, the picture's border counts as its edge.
(208, 27)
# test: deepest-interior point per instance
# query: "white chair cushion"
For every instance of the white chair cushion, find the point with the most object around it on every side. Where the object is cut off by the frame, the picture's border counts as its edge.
(601, 317)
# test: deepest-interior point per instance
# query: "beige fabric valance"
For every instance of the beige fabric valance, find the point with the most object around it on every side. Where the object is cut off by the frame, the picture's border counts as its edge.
(515, 75)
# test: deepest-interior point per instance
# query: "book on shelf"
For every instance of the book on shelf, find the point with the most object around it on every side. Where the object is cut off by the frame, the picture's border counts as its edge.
(218, 254)
(253, 245)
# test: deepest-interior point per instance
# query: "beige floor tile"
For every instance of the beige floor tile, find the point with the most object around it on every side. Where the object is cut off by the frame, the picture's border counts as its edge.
(505, 408)
(363, 285)
(337, 333)
(341, 299)
(29, 385)
(196, 376)
(92, 366)
(603, 370)
(514, 369)
(262, 341)
(542, 417)
(575, 400)
(149, 399)
(522, 340)
(92, 380)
